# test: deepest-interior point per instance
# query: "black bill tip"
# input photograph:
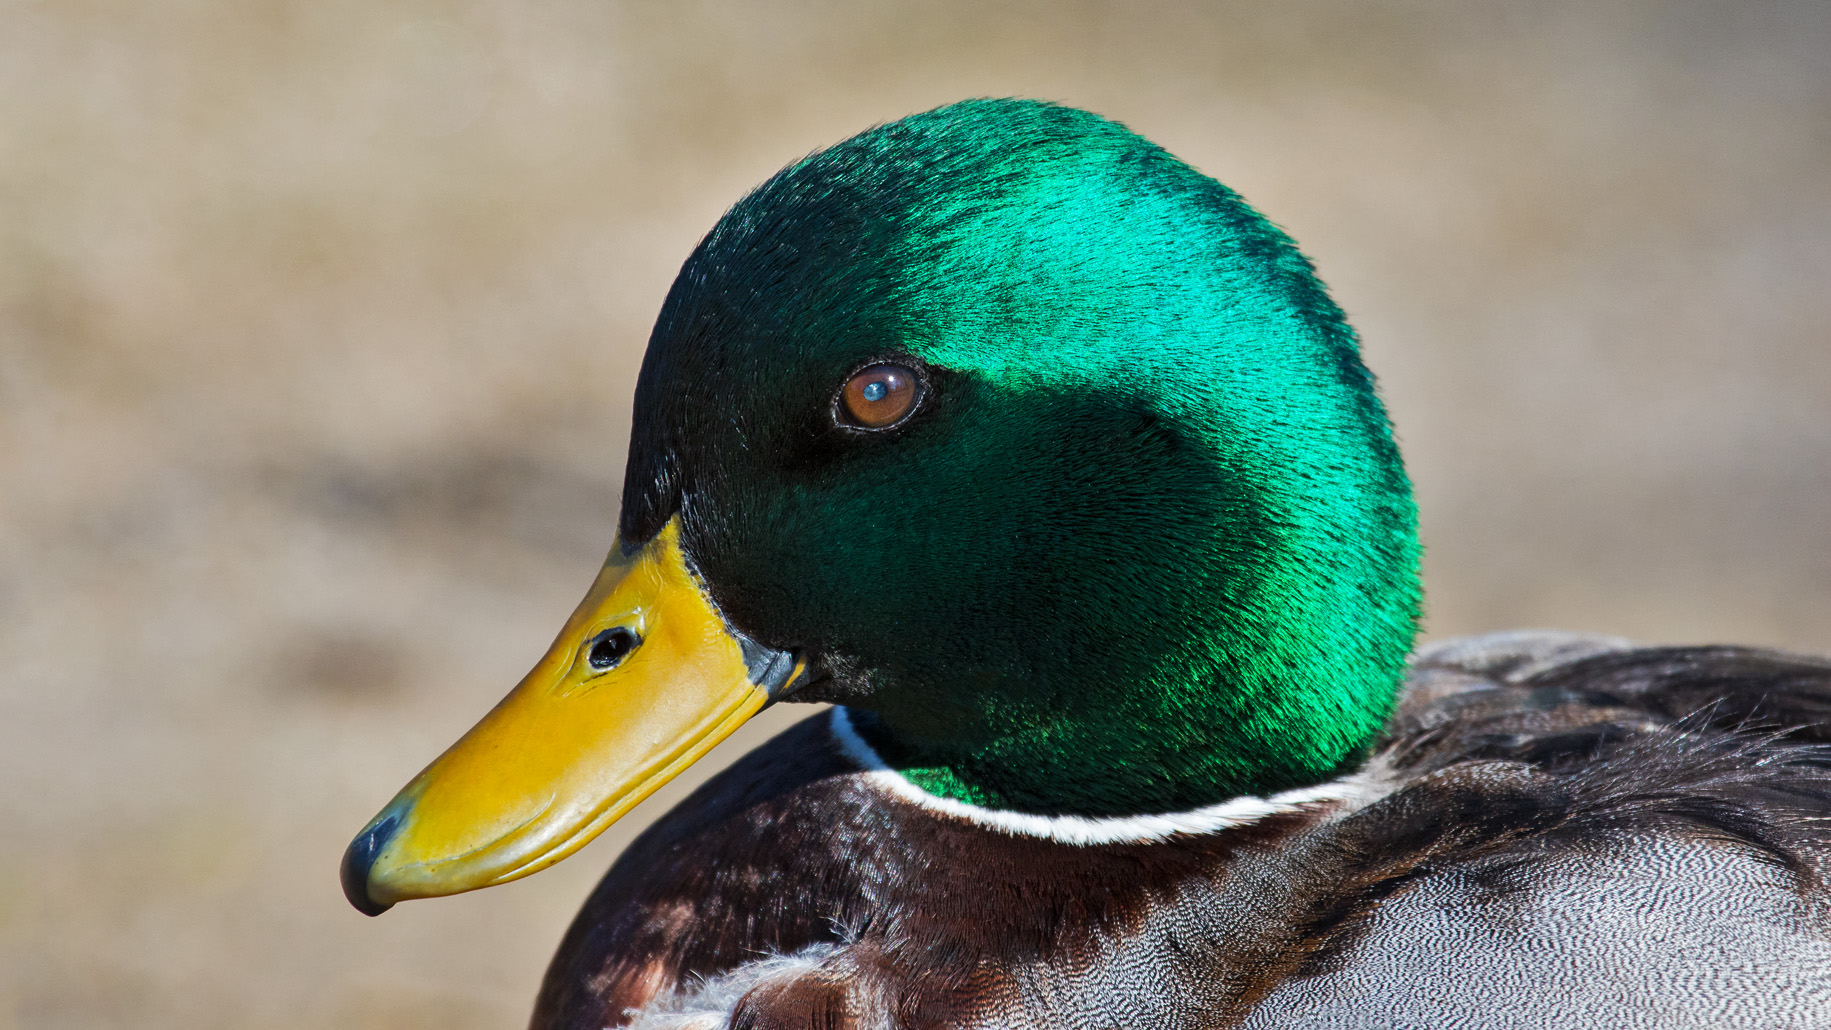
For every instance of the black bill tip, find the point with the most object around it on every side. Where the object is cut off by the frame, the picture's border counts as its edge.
(356, 862)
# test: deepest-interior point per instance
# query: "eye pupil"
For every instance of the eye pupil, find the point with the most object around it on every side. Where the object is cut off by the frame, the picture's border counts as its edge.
(879, 397)
(611, 647)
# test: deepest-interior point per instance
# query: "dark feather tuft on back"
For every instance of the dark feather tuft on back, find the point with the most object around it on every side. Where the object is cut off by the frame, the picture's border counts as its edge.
(1525, 750)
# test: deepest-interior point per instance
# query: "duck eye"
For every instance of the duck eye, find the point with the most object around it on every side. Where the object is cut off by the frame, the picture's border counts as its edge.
(610, 647)
(879, 397)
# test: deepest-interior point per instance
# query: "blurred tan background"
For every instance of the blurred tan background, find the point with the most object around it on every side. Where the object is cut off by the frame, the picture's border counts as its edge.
(319, 322)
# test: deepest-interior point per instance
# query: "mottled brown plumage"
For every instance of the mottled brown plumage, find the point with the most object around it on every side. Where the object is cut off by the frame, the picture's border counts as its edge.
(1525, 770)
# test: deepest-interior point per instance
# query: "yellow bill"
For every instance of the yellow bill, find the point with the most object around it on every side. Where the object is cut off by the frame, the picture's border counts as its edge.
(645, 678)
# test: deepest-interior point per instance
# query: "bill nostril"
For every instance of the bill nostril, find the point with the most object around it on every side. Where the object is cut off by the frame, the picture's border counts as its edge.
(359, 858)
(611, 647)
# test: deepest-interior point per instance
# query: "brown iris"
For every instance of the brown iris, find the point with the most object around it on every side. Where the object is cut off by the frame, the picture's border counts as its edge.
(879, 397)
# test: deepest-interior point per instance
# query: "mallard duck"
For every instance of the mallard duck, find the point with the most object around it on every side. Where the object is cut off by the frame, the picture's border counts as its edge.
(1051, 466)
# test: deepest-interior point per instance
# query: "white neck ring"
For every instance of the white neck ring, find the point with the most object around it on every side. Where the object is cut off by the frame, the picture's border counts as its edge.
(1355, 790)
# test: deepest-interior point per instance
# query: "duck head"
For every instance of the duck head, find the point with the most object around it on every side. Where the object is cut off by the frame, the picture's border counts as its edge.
(1039, 450)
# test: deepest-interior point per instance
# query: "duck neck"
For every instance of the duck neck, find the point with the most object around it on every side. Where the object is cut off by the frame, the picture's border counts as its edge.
(1181, 756)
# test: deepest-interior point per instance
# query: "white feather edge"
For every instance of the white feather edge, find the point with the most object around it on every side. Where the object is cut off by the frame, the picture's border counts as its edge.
(1355, 790)
(707, 1004)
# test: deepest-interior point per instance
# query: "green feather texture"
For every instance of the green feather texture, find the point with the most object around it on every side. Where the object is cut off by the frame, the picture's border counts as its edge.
(1146, 544)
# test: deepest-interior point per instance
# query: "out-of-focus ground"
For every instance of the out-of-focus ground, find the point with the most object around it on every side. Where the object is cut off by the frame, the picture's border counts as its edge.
(319, 324)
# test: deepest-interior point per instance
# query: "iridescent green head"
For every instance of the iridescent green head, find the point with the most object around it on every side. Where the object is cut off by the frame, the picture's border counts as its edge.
(1035, 447)
(1143, 541)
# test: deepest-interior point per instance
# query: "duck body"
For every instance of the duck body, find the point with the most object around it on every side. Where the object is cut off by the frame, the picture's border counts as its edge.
(1050, 462)
(1556, 831)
